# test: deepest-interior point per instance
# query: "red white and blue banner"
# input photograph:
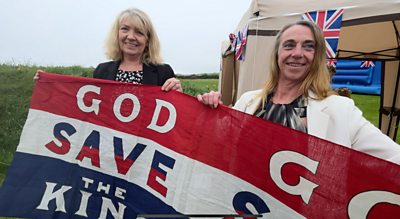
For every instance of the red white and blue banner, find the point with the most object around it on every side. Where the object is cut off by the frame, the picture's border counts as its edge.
(102, 149)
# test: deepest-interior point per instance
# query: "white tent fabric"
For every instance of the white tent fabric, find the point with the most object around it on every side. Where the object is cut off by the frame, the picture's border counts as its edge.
(370, 31)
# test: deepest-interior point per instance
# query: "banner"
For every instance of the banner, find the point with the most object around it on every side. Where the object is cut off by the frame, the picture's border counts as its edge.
(92, 148)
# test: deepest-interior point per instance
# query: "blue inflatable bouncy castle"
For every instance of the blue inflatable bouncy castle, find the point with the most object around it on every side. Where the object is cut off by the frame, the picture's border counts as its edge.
(358, 76)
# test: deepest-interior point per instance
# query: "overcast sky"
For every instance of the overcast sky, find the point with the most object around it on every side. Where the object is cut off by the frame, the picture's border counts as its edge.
(72, 32)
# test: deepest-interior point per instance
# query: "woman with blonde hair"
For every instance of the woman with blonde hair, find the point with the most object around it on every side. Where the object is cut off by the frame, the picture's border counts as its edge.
(134, 48)
(298, 95)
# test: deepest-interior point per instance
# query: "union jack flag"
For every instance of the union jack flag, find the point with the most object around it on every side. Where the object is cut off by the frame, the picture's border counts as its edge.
(367, 64)
(241, 41)
(330, 22)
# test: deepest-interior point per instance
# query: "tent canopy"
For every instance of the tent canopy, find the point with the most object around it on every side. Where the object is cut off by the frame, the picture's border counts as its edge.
(370, 31)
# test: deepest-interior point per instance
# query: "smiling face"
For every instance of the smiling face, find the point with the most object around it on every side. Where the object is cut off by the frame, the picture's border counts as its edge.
(295, 53)
(132, 41)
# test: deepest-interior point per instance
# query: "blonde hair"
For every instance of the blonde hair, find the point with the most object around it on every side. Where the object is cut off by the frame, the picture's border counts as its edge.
(151, 54)
(318, 77)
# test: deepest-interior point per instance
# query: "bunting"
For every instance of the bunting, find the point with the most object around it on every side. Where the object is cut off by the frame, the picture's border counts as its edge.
(330, 22)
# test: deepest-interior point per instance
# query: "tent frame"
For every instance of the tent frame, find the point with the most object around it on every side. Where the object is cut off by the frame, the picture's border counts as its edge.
(389, 111)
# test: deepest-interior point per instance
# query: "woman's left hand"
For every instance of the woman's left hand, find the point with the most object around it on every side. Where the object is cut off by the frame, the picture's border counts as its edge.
(172, 84)
(36, 76)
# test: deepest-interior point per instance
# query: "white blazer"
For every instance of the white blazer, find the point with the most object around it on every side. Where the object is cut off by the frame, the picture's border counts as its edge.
(338, 120)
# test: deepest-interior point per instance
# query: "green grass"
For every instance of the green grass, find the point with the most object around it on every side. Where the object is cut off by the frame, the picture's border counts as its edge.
(199, 86)
(369, 105)
(15, 93)
(17, 84)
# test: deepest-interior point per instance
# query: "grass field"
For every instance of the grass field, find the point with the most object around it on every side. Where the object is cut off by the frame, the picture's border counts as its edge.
(369, 105)
(16, 89)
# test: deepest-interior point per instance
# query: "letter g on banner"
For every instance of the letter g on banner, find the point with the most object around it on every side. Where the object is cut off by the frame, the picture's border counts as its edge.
(362, 203)
(95, 103)
(305, 187)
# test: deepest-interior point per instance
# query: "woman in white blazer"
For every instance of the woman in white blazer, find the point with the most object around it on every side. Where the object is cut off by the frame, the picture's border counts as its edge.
(298, 95)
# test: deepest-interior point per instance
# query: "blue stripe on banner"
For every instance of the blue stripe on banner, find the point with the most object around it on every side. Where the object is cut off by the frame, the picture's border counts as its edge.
(68, 192)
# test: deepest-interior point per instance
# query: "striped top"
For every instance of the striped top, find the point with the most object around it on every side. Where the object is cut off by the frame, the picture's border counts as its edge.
(288, 115)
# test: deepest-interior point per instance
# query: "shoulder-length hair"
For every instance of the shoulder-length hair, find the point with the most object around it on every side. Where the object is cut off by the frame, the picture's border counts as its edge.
(318, 78)
(142, 22)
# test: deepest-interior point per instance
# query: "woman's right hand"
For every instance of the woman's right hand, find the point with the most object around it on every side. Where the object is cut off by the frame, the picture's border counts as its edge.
(211, 99)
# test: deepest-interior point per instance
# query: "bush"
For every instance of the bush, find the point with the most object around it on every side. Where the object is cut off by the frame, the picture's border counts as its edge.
(199, 76)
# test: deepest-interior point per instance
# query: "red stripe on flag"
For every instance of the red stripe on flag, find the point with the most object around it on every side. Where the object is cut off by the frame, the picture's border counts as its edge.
(321, 19)
(331, 33)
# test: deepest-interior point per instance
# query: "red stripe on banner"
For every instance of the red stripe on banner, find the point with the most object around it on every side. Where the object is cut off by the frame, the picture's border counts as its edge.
(271, 157)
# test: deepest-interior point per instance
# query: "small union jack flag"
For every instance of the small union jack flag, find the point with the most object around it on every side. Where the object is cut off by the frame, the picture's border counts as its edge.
(330, 22)
(241, 41)
(367, 64)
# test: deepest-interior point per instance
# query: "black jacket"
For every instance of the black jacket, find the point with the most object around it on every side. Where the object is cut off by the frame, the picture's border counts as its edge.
(152, 74)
